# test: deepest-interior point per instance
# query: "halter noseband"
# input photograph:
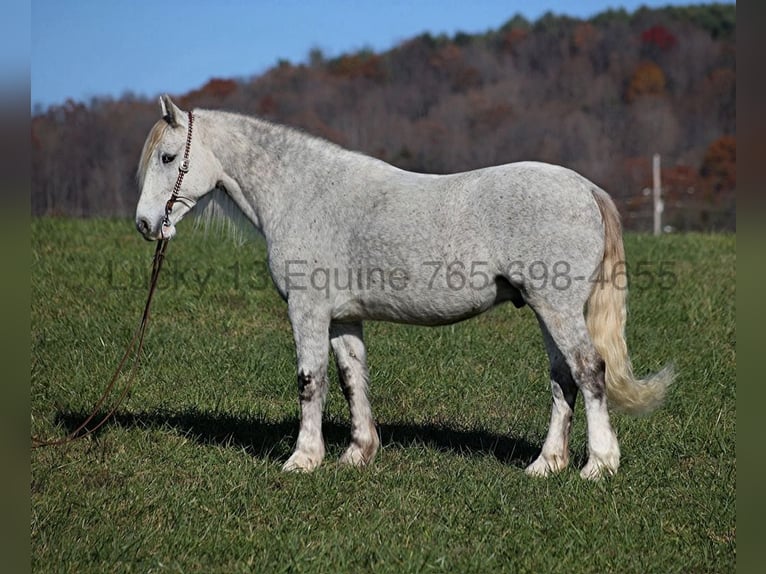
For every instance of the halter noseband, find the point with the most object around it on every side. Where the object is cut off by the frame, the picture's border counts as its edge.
(183, 168)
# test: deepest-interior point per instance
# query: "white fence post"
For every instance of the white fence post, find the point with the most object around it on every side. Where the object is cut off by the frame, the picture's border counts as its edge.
(659, 206)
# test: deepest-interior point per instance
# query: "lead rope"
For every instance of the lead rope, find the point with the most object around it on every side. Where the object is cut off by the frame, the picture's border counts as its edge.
(138, 337)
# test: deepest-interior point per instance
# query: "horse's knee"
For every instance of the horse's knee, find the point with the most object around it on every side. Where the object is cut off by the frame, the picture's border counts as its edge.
(310, 385)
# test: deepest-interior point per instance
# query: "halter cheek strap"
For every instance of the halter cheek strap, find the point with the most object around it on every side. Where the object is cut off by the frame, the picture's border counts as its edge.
(183, 168)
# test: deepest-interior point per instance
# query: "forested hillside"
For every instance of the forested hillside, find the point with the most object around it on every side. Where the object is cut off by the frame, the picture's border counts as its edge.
(600, 96)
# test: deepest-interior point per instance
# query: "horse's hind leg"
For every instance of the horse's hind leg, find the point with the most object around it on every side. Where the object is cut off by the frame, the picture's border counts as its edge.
(555, 452)
(350, 356)
(570, 334)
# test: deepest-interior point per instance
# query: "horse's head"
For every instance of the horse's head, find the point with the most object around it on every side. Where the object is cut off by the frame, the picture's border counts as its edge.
(162, 159)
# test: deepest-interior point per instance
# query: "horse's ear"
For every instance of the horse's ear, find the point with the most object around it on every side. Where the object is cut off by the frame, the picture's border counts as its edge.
(170, 112)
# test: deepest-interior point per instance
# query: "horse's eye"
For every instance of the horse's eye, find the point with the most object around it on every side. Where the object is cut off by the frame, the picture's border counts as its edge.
(168, 157)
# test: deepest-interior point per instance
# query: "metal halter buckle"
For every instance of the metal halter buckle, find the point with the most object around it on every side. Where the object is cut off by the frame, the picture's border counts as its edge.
(184, 166)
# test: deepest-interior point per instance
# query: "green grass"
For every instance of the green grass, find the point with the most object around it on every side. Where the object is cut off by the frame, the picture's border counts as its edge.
(187, 478)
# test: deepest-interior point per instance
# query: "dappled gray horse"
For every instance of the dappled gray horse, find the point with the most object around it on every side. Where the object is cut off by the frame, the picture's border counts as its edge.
(352, 238)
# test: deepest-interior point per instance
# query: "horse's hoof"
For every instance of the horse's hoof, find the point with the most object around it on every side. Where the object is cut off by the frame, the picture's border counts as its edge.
(598, 468)
(358, 456)
(301, 462)
(544, 466)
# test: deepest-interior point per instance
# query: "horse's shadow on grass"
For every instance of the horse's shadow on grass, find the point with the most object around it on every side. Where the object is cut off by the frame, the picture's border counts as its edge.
(274, 439)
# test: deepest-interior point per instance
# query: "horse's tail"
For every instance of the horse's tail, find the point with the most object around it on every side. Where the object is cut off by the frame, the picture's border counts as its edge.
(606, 315)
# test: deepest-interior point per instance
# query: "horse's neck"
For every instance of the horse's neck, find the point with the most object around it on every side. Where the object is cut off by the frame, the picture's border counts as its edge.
(273, 168)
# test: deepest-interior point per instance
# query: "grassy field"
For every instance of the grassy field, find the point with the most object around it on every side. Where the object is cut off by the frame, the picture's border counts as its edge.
(187, 478)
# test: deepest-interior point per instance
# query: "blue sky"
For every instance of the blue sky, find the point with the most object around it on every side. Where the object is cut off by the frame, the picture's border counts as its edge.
(86, 48)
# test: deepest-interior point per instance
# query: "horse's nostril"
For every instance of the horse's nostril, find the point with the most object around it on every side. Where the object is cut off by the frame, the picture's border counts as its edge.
(142, 225)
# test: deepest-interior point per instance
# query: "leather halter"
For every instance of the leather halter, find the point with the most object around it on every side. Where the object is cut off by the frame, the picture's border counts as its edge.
(183, 169)
(137, 343)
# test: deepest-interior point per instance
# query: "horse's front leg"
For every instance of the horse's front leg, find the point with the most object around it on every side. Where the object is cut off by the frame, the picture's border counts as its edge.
(311, 333)
(348, 345)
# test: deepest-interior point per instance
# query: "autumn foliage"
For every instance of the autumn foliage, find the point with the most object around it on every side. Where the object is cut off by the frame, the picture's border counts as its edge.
(600, 96)
(216, 88)
(659, 37)
(360, 65)
(647, 79)
(719, 166)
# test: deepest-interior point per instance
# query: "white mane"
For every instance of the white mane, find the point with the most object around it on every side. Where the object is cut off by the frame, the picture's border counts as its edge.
(218, 213)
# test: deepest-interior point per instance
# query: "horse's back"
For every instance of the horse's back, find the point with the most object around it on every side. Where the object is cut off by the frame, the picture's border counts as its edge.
(523, 211)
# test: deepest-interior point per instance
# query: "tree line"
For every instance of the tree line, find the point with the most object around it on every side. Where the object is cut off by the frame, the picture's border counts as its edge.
(600, 96)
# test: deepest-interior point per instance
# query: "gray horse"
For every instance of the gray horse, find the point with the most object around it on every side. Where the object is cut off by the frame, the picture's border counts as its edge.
(351, 238)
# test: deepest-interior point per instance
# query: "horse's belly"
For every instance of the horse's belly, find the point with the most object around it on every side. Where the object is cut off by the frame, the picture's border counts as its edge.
(426, 306)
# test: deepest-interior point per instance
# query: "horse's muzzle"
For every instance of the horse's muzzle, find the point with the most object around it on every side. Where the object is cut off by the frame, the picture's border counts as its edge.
(145, 229)
(151, 233)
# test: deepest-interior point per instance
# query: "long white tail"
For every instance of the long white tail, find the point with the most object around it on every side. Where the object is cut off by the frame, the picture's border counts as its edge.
(606, 315)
